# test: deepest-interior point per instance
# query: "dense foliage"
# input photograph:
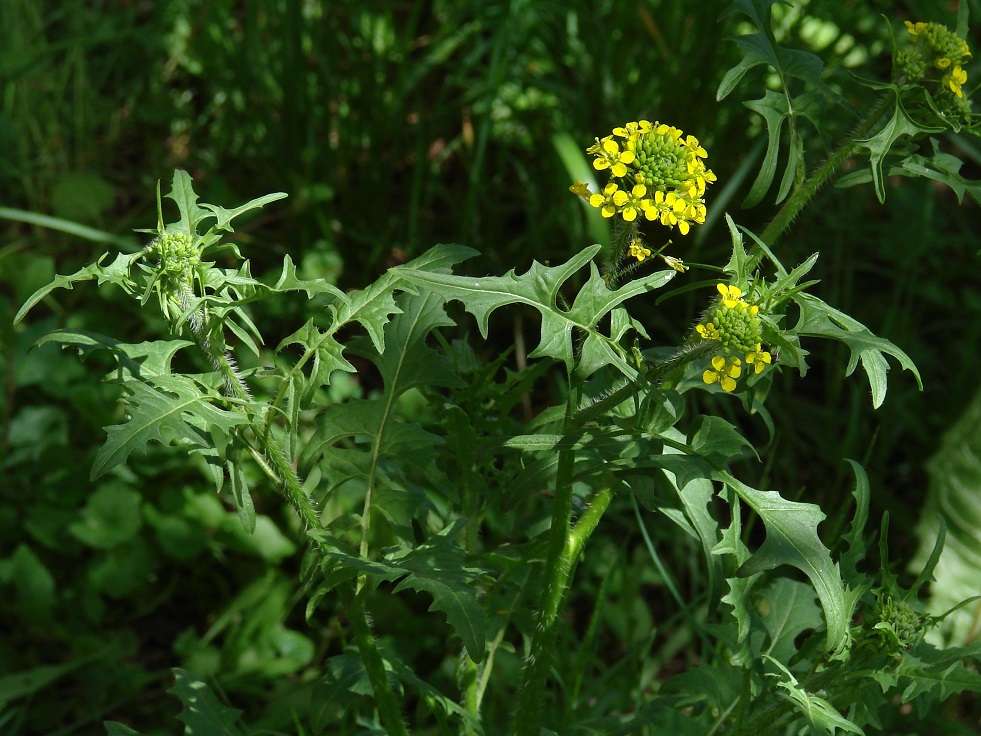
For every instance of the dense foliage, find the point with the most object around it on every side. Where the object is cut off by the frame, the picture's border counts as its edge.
(609, 465)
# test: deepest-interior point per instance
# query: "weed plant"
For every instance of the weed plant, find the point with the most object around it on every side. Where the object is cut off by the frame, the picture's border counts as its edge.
(442, 501)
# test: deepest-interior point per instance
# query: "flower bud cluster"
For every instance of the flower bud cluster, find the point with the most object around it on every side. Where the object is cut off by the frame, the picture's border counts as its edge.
(736, 327)
(935, 51)
(177, 253)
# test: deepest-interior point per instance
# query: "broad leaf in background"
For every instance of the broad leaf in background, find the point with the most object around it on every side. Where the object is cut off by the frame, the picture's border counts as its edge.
(203, 713)
(955, 492)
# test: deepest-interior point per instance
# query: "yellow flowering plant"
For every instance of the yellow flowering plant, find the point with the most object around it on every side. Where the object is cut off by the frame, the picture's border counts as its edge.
(429, 484)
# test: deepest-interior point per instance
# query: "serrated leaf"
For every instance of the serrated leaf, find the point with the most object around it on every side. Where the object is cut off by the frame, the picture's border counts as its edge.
(203, 713)
(449, 706)
(172, 409)
(792, 539)
(818, 712)
(941, 167)
(879, 145)
(849, 560)
(289, 282)
(116, 273)
(695, 496)
(738, 597)
(774, 109)
(224, 217)
(939, 673)
(762, 48)
(539, 288)
(817, 319)
(182, 192)
(436, 568)
(241, 496)
(789, 611)
(346, 680)
(143, 360)
(408, 363)
(326, 354)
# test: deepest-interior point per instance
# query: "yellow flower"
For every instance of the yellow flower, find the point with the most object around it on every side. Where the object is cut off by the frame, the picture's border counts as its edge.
(638, 251)
(669, 209)
(942, 63)
(633, 203)
(724, 371)
(631, 131)
(915, 28)
(580, 189)
(759, 359)
(676, 263)
(731, 295)
(611, 200)
(692, 144)
(955, 79)
(609, 156)
(707, 331)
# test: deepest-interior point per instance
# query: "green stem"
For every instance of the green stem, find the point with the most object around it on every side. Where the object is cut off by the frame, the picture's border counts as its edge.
(792, 207)
(565, 544)
(278, 464)
(388, 705)
(687, 353)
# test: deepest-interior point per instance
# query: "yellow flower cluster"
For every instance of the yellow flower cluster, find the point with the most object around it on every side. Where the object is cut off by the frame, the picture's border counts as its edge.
(662, 175)
(735, 325)
(942, 49)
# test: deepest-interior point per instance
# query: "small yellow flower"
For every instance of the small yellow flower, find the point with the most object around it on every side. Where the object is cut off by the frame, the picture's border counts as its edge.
(759, 359)
(634, 203)
(692, 144)
(723, 371)
(942, 63)
(915, 28)
(609, 156)
(731, 295)
(669, 209)
(611, 200)
(638, 251)
(707, 331)
(955, 79)
(631, 131)
(676, 263)
(580, 189)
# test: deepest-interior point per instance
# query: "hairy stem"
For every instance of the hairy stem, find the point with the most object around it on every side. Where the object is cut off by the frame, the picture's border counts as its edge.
(234, 386)
(277, 464)
(388, 705)
(687, 353)
(565, 544)
(795, 203)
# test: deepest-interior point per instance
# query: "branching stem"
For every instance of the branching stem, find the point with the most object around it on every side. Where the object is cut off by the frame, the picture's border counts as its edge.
(795, 203)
